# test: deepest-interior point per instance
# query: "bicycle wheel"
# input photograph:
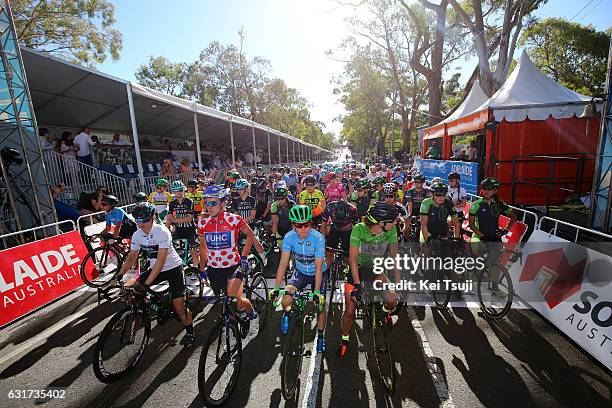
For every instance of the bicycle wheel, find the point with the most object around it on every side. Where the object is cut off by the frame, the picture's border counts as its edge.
(291, 365)
(334, 271)
(121, 344)
(495, 291)
(257, 293)
(100, 266)
(441, 296)
(382, 349)
(220, 363)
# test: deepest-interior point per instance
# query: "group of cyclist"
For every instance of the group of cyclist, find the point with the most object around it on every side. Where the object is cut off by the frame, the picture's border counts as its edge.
(309, 210)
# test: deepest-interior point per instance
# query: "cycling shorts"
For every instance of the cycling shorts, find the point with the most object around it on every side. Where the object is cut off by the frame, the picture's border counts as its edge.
(173, 276)
(218, 277)
(366, 274)
(335, 237)
(301, 281)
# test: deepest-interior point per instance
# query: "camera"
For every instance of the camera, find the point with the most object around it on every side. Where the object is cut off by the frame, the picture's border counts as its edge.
(10, 156)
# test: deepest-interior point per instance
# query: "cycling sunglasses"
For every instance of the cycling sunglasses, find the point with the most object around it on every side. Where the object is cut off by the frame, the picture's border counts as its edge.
(310, 185)
(360, 189)
(439, 195)
(302, 225)
(142, 220)
(389, 195)
(212, 203)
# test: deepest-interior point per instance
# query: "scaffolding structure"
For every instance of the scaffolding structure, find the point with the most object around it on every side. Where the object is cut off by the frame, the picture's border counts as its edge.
(601, 195)
(25, 197)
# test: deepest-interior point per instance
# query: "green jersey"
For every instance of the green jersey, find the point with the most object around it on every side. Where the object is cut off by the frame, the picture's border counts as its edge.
(371, 246)
(437, 215)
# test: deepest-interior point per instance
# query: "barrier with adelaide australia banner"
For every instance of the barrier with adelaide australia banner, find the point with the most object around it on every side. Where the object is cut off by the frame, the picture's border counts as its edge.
(34, 274)
(441, 168)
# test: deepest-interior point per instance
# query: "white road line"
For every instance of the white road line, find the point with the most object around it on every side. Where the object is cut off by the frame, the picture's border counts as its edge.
(435, 371)
(47, 333)
(312, 384)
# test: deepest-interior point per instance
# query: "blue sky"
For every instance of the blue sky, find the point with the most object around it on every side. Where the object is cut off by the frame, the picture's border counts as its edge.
(292, 34)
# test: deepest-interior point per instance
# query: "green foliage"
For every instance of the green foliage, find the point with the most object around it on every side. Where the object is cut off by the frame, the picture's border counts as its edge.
(573, 54)
(225, 78)
(77, 30)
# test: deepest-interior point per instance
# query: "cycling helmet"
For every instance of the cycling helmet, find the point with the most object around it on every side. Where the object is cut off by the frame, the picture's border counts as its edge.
(209, 182)
(280, 192)
(140, 197)
(310, 180)
(381, 212)
(490, 183)
(342, 211)
(233, 174)
(380, 180)
(161, 182)
(454, 176)
(293, 170)
(436, 180)
(143, 212)
(110, 199)
(241, 184)
(363, 183)
(192, 183)
(439, 188)
(339, 170)
(261, 183)
(177, 186)
(389, 188)
(418, 177)
(215, 191)
(323, 173)
(300, 214)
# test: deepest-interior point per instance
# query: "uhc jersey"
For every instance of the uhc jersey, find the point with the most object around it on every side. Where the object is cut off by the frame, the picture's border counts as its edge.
(221, 236)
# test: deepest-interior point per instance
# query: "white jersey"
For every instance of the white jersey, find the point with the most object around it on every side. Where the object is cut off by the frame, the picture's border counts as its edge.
(158, 238)
(456, 194)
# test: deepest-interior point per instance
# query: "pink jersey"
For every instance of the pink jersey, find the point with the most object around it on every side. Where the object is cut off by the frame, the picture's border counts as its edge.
(221, 235)
(334, 192)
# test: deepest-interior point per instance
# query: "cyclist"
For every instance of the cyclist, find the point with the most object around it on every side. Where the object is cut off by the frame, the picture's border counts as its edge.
(313, 198)
(434, 212)
(140, 197)
(334, 190)
(485, 212)
(292, 180)
(231, 177)
(370, 239)
(181, 215)
(195, 195)
(124, 226)
(244, 204)
(218, 248)
(263, 202)
(378, 194)
(308, 247)
(360, 197)
(338, 219)
(390, 196)
(155, 241)
(160, 198)
(415, 196)
(279, 211)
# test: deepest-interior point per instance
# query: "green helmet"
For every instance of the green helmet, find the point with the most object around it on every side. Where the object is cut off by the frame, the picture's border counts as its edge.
(233, 174)
(380, 180)
(439, 188)
(280, 192)
(363, 183)
(177, 186)
(161, 182)
(490, 183)
(300, 213)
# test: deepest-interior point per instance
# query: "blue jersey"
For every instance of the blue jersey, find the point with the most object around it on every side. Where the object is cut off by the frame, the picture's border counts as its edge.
(305, 251)
(291, 180)
(115, 216)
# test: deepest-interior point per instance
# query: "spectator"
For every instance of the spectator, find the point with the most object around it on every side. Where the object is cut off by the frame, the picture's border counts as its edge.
(68, 147)
(472, 151)
(57, 145)
(45, 139)
(186, 167)
(249, 158)
(117, 140)
(434, 152)
(90, 202)
(84, 142)
(166, 168)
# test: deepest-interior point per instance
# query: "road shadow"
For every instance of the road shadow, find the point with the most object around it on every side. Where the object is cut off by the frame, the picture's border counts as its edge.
(490, 377)
(547, 365)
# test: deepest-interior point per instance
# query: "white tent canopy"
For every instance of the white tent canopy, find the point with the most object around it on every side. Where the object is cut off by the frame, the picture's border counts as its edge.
(475, 98)
(529, 93)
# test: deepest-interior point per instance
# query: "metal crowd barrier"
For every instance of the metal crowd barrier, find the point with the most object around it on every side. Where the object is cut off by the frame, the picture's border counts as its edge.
(555, 230)
(33, 230)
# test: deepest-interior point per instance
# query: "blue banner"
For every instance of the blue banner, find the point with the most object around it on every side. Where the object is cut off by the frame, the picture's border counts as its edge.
(440, 168)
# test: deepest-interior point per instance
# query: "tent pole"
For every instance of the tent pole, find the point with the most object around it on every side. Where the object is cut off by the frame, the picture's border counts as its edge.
(279, 151)
(135, 134)
(232, 141)
(197, 135)
(254, 150)
(287, 150)
(269, 152)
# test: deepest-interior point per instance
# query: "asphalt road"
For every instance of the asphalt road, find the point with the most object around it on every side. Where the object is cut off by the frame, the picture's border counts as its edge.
(443, 358)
